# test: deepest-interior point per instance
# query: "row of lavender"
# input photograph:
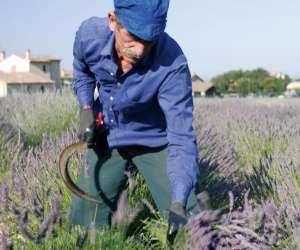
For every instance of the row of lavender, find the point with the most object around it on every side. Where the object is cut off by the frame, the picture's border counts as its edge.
(30, 188)
(249, 164)
(250, 154)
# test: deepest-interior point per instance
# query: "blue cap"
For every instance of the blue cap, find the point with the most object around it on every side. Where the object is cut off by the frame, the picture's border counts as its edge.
(144, 18)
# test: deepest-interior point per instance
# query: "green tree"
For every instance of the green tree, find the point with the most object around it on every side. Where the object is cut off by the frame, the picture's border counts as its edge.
(269, 85)
(250, 81)
(244, 86)
(224, 83)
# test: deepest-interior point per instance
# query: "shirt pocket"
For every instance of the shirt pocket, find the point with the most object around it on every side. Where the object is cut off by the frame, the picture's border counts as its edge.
(136, 102)
(131, 107)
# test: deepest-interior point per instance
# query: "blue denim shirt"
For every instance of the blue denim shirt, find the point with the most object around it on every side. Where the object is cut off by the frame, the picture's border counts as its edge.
(149, 105)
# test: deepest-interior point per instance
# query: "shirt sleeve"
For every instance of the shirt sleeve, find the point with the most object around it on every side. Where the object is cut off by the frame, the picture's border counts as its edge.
(176, 101)
(84, 82)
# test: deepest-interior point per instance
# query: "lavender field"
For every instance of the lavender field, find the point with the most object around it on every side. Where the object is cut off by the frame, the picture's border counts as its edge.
(249, 151)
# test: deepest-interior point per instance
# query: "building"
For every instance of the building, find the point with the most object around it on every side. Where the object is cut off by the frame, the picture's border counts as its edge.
(277, 75)
(293, 86)
(66, 77)
(195, 77)
(23, 82)
(27, 72)
(293, 89)
(201, 87)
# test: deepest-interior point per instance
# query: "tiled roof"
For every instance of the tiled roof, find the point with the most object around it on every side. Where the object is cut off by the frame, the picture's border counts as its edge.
(33, 58)
(66, 74)
(199, 86)
(24, 78)
(195, 77)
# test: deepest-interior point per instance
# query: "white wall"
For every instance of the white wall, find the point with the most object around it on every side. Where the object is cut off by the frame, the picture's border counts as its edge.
(3, 89)
(20, 64)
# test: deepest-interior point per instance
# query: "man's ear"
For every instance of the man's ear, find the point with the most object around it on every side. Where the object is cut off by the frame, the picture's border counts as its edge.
(112, 20)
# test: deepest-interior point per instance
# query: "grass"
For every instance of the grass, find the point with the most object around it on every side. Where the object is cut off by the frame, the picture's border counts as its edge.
(105, 240)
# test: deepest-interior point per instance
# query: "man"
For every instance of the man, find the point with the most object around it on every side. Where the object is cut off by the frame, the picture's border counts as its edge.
(145, 97)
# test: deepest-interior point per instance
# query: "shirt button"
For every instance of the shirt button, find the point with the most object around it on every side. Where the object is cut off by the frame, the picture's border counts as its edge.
(119, 84)
(111, 98)
(112, 121)
(110, 108)
(111, 73)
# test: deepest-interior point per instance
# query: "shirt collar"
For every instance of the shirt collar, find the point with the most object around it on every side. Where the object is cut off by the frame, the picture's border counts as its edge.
(108, 49)
(147, 59)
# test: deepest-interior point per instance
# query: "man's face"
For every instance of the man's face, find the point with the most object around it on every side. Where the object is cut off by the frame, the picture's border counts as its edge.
(129, 47)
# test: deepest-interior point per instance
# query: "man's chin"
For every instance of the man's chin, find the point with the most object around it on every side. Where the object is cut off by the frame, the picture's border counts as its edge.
(132, 61)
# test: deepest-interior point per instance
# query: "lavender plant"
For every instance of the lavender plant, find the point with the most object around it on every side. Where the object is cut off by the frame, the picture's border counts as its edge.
(250, 227)
(249, 148)
(12, 140)
(38, 113)
(252, 134)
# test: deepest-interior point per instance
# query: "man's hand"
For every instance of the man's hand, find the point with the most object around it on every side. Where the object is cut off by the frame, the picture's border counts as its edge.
(87, 125)
(177, 220)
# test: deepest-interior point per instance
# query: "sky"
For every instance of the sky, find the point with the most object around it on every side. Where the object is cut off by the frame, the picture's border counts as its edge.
(215, 35)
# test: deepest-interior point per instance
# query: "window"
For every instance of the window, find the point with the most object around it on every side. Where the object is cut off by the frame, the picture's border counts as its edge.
(29, 88)
(44, 68)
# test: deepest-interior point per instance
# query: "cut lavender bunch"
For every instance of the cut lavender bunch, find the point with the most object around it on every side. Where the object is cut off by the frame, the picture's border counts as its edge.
(251, 227)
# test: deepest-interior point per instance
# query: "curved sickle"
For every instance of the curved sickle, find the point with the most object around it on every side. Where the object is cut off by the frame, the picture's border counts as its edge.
(64, 171)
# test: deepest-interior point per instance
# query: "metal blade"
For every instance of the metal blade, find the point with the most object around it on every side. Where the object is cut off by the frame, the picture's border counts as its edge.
(64, 171)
